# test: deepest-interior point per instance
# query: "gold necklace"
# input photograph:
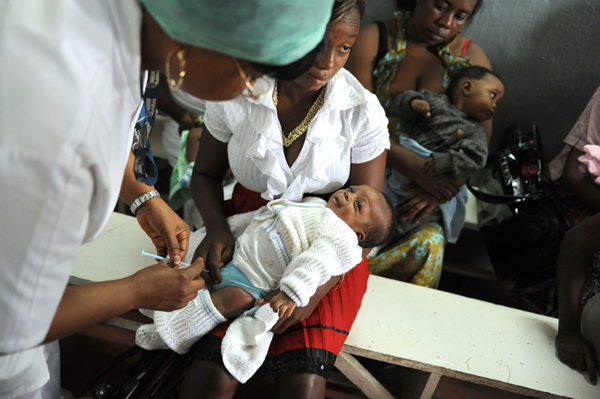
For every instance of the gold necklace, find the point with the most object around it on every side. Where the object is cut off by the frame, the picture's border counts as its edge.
(303, 126)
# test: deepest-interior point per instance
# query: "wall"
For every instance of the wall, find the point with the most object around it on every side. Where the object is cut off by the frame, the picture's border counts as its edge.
(547, 52)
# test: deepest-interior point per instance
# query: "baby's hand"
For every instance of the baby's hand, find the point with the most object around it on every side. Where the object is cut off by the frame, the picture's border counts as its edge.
(283, 305)
(420, 106)
(429, 166)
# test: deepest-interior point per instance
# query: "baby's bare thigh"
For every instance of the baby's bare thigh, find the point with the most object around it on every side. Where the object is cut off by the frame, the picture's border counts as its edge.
(232, 301)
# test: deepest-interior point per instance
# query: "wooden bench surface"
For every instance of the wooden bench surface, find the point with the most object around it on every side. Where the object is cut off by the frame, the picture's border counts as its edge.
(399, 323)
(464, 338)
(115, 253)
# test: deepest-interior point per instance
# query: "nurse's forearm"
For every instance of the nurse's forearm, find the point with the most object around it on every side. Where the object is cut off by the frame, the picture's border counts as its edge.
(83, 306)
(157, 287)
(131, 188)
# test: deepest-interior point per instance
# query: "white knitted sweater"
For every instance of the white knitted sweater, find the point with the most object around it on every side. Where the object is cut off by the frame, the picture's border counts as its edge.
(311, 243)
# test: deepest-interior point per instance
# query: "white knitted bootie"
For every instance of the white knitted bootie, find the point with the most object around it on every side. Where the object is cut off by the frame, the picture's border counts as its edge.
(148, 338)
(181, 328)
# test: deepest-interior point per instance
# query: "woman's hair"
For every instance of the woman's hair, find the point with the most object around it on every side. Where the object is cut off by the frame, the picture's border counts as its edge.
(297, 68)
(377, 235)
(410, 5)
(341, 7)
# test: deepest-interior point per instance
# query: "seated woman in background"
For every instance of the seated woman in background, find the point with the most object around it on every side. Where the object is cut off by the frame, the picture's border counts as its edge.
(420, 49)
(578, 266)
(311, 135)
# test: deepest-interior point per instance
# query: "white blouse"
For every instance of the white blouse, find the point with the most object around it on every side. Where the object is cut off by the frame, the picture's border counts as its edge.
(350, 128)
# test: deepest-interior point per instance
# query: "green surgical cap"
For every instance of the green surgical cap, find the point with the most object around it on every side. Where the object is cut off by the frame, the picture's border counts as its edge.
(274, 32)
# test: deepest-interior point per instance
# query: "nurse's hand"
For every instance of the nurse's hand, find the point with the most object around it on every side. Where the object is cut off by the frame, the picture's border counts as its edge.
(169, 233)
(157, 287)
(161, 287)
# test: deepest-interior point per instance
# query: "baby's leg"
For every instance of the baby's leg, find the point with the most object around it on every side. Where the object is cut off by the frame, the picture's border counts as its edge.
(232, 301)
(181, 328)
(148, 338)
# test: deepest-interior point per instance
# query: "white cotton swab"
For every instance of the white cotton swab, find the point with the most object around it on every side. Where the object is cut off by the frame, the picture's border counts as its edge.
(144, 253)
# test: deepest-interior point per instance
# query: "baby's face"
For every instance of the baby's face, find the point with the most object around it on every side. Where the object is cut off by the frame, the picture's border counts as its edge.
(481, 102)
(358, 206)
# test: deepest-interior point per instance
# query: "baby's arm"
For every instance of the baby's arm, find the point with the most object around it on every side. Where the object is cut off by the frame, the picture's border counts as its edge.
(420, 106)
(466, 156)
(412, 105)
(335, 252)
(283, 305)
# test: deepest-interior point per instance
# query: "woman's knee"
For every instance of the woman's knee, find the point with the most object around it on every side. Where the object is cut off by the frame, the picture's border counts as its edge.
(300, 386)
(205, 379)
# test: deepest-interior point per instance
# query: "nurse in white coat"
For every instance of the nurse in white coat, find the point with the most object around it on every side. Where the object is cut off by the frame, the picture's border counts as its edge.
(70, 90)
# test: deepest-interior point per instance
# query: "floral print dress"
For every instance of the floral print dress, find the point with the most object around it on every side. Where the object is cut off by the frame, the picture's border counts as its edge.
(418, 256)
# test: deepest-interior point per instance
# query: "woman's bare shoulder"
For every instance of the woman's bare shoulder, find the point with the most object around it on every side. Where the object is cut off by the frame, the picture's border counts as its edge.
(361, 62)
(474, 51)
(367, 40)
(477, 55)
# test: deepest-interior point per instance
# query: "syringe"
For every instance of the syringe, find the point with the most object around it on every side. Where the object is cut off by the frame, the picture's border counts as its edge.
(144, 253)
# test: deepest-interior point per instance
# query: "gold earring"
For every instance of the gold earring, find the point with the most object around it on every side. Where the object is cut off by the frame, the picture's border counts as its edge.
(174, 85)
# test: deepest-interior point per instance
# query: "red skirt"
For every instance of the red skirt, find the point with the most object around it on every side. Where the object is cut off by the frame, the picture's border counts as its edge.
(313, 345)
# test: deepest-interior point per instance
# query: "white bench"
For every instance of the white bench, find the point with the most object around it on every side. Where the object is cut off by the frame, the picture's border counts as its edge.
(471, 216)
(420, 328)
(445, 334)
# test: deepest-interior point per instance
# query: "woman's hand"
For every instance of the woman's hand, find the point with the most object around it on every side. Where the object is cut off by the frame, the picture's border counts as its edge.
(417, 204)
(429, 168)
(576, 352)
(188, 121)
(216, 249)
(169, 233)
(442, 187)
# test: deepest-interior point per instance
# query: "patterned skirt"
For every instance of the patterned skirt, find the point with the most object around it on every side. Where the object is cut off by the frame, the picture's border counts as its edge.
(415, 258)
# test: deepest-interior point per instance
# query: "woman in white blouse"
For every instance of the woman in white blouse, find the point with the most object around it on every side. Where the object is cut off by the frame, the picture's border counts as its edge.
(310, 135)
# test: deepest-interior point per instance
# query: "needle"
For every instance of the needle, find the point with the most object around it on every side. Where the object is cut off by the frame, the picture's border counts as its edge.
(144, 253)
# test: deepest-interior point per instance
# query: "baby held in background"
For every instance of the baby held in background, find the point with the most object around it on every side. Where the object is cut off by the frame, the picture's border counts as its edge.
(447, 129)
(290, 246)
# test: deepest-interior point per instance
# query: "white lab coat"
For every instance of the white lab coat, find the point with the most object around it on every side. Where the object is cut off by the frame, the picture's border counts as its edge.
(69, 89)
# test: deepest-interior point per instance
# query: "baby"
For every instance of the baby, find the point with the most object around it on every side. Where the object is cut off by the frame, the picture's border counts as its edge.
(447, 130)
(294, 247)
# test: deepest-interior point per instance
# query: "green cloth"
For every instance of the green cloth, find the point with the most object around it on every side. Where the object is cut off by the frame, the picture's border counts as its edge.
(274, 32)
(178, 195)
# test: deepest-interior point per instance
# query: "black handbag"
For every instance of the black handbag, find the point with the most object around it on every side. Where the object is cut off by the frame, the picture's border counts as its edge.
(154, 374)
(520, 217)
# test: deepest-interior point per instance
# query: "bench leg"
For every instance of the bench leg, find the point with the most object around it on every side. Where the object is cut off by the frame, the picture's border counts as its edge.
(430, 386)
(417, 384)
(360, 377)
